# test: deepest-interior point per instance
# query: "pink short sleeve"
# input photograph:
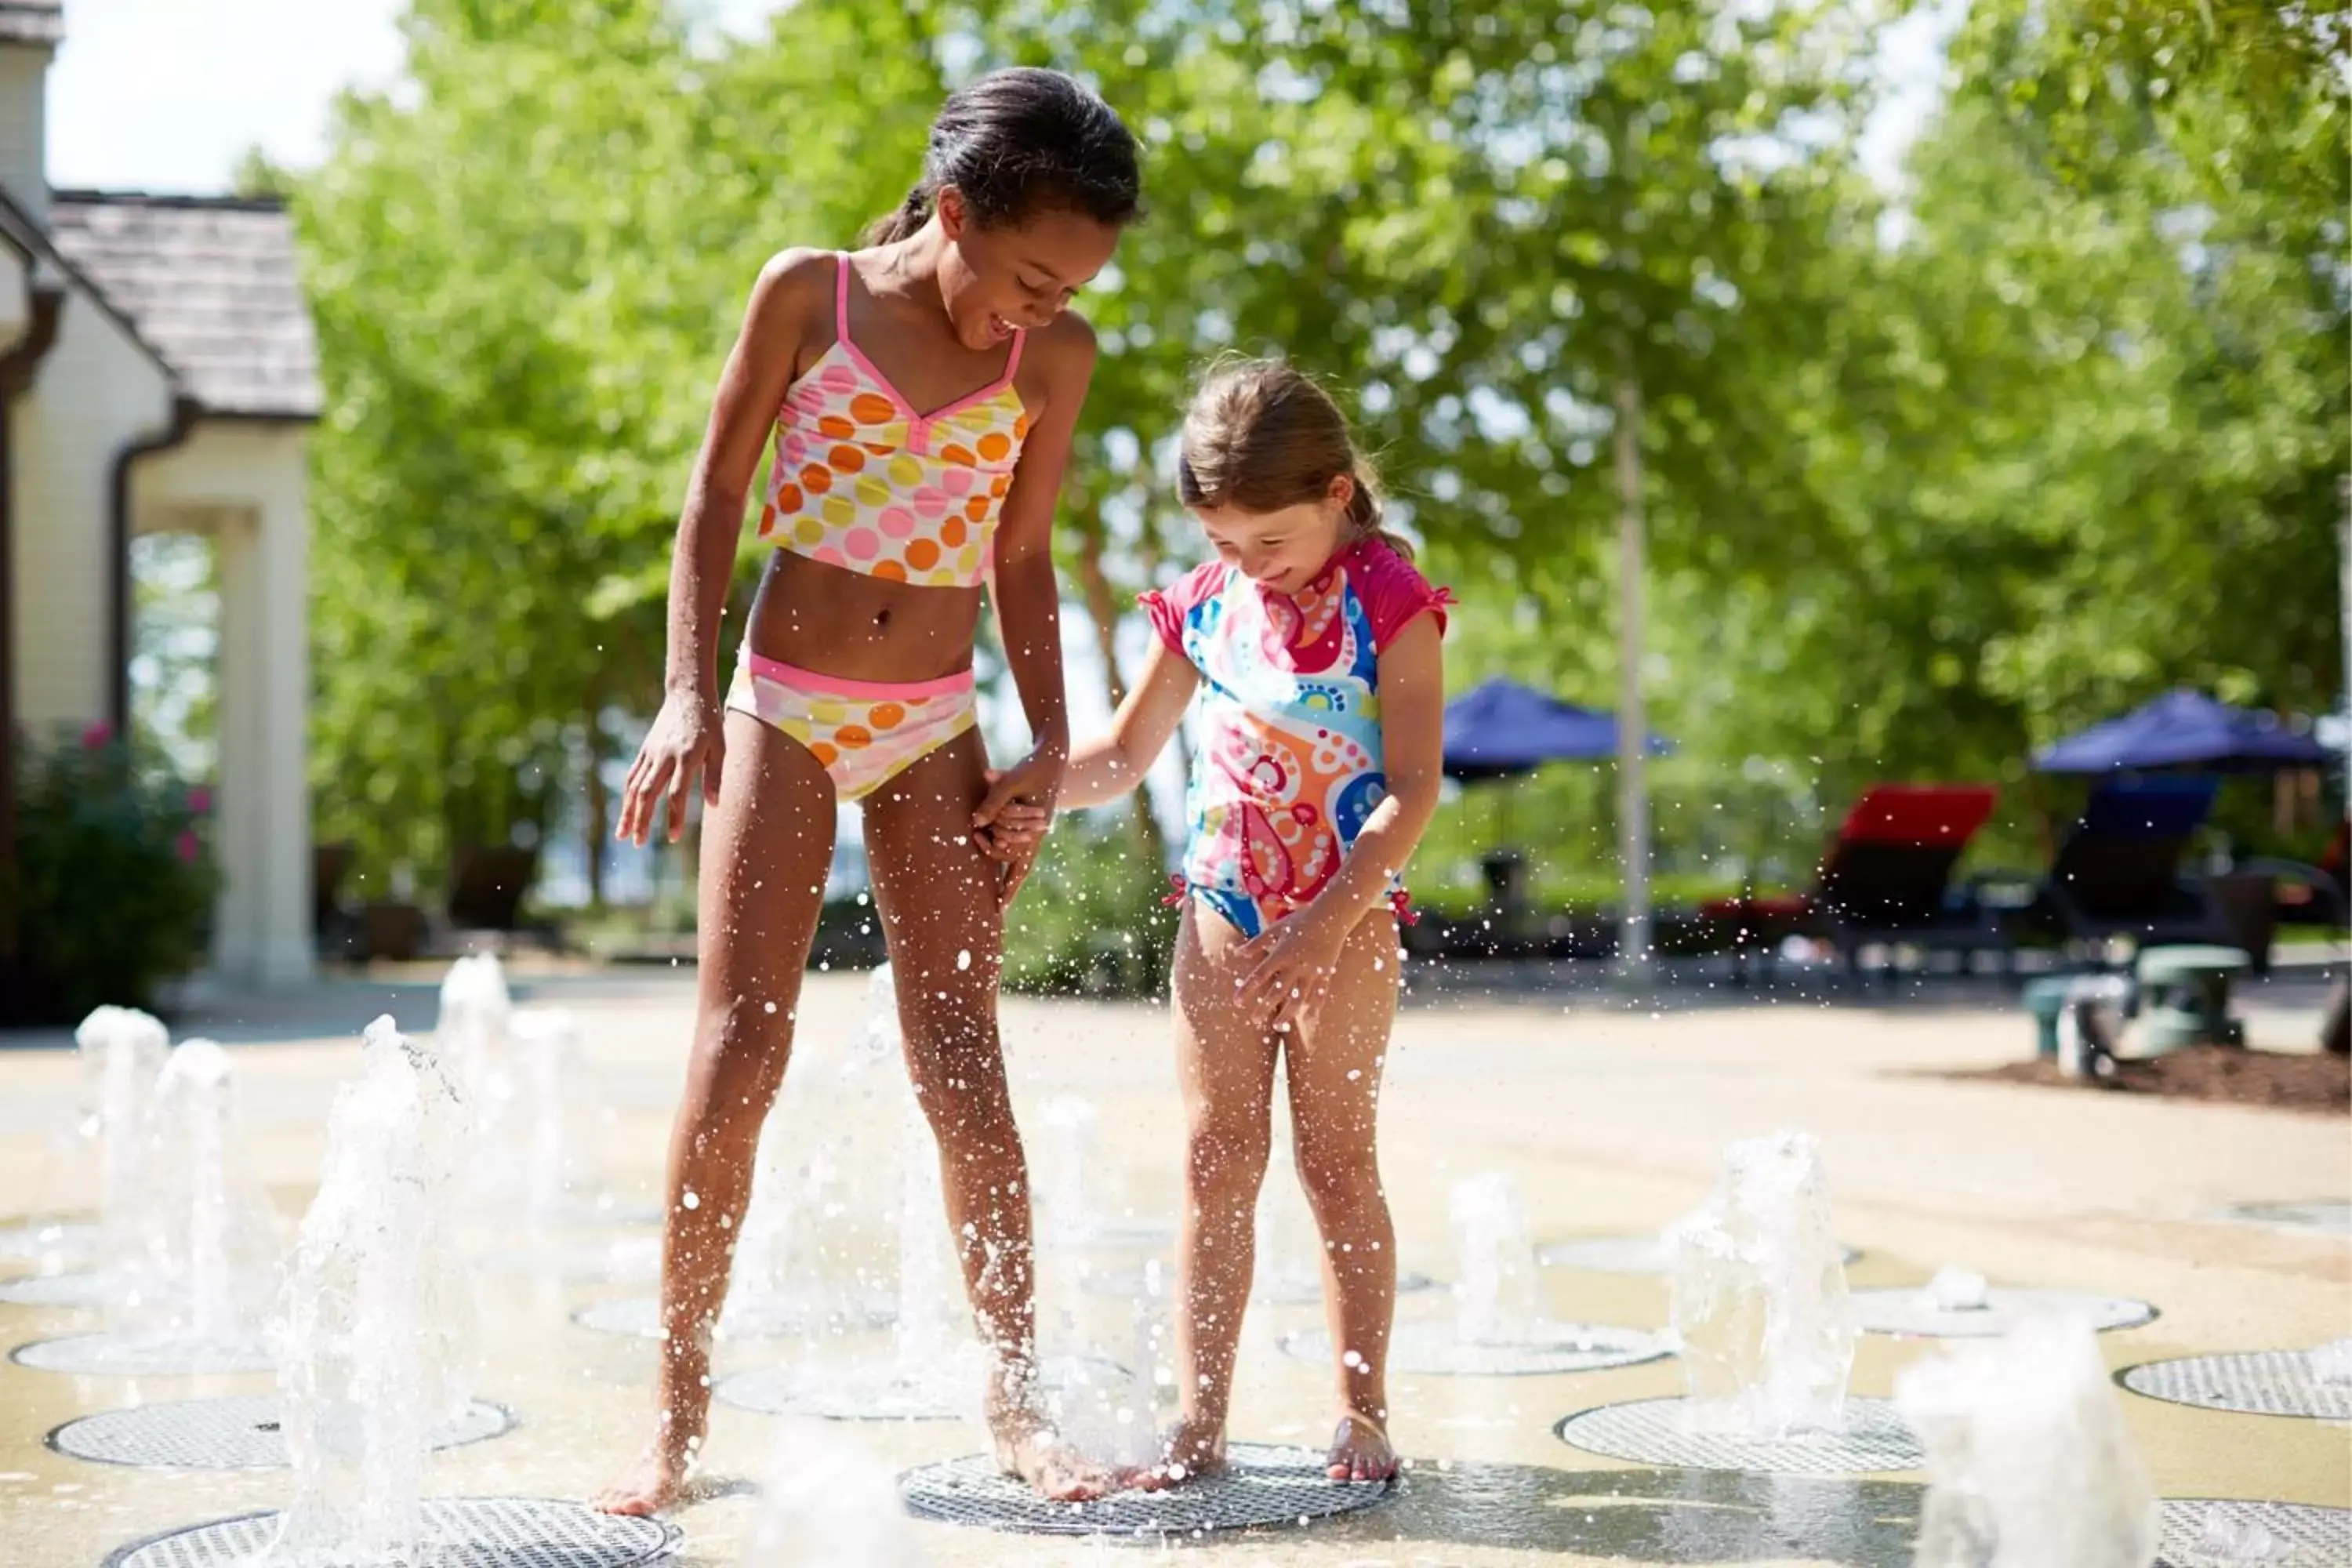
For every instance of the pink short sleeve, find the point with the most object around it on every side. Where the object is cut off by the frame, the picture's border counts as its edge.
(1168, 608)
(1393, 591)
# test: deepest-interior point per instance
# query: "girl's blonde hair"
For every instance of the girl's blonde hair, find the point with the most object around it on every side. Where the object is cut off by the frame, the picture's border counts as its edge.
(1262, 434)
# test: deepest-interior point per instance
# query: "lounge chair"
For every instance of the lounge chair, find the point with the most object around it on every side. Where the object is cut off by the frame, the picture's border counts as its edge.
(1885, 880)
(2118, 873)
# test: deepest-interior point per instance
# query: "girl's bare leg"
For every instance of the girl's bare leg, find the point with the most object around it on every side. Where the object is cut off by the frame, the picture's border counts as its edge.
(1335, 1082)
(766, 850)
(937, 895)
(1225, 1069)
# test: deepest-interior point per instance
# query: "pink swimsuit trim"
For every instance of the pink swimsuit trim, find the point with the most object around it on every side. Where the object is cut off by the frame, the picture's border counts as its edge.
(812, 681)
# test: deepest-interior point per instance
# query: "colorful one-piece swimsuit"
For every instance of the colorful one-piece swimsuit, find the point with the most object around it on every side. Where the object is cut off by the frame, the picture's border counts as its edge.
(862, 481)
(1290, 764)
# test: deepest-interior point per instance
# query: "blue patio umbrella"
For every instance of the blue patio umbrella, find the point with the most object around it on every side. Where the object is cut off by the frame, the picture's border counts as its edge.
(2185, 729)
(1500, 728)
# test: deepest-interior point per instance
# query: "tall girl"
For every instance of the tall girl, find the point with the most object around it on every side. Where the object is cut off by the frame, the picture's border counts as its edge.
(922, 393)
(1312, 646)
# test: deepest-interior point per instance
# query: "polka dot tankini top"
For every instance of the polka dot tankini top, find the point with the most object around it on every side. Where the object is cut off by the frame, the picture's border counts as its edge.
(863, 481)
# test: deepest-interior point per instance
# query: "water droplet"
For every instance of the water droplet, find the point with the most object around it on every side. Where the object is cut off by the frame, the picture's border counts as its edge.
(692, 1200)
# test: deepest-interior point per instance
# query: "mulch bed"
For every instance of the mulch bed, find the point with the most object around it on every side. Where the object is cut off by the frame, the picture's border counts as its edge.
(2290, 1082)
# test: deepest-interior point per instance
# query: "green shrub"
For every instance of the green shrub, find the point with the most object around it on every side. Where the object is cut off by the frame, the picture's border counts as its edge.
(1089, 921)
(115, 877)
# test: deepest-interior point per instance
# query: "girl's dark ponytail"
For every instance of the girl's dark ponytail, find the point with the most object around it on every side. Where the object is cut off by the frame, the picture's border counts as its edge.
(909, 217)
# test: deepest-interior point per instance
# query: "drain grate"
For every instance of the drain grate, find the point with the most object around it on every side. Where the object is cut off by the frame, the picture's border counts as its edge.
(887, 1390)
(606, 1212)
(234, 1434)
(48, 1238)
(1308, 1292)
(1123, 1282)
(1676, 1433)
(56, 1290)
(2211, 1533)
(2327, 1217)
(760, 1318)
(1907, 1310)
(884, 1391)
(1265, 1486)
(1431, 1348)
(1620, 1255)
(2254, 1382)
(469, 1533)
(614, 1260)
(115, 1353)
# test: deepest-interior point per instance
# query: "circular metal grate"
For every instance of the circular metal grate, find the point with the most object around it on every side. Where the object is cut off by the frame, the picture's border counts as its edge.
(120, 1354)
(234, 1434)
(1432, 1348)
(2256, 1383)
(618, 1259)
(1125, 1282)
(2214, 1532)
(887, 1390)
(1308, 1292)
(469, 1533)
(1621, 1254)
(48, 1238)
(2328, 1216)
(606, 1211)
(884, 1391)
(758, 1318)
(56, 1290)
(1264, 1485)
(1908, 1311)
(1675, 1432)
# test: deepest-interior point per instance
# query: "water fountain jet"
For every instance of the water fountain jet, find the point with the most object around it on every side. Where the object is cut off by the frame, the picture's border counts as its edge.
(1759, 1304)
(2029, 1463)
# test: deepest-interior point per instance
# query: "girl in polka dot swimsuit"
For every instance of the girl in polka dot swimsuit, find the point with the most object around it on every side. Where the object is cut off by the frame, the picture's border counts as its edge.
(1310, 649)
(921, 395)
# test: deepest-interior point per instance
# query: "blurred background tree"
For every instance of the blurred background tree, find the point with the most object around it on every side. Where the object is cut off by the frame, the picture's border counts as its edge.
(1936, 468)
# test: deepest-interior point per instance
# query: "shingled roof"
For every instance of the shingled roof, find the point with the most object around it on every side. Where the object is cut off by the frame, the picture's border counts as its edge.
(32, 21)
(209, 281)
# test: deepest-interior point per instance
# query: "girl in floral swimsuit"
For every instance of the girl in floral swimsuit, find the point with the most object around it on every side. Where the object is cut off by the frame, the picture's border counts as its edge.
(1311, 646)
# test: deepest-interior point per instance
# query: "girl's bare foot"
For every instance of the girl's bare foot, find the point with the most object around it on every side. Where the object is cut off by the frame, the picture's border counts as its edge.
(1360, 1450)
(652, 1482)
(1193, 1447)
(1029, 1449)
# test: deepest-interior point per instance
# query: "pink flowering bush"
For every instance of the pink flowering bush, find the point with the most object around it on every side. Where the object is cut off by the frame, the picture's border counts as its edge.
(115, 877)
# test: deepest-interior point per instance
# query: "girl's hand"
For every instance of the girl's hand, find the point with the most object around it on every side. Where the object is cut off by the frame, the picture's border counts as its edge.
(1031, 783)
(1019, 824)
(687, 737)
(1290, 963)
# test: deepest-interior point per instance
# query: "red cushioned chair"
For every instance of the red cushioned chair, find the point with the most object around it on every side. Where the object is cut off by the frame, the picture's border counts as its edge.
(1887, 879)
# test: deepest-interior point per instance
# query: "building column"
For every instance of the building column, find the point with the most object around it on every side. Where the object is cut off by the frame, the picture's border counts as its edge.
(240, 820)
(262, 933)
(287, 953)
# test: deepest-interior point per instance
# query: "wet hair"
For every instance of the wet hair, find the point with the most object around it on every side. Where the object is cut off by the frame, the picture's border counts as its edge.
(1262, 434)
(1021, 140)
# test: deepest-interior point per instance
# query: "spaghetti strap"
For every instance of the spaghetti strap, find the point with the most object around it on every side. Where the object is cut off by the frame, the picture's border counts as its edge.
(1013, 360)
(841, 296)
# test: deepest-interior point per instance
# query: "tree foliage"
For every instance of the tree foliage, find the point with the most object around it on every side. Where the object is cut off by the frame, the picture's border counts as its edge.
(1933, 475)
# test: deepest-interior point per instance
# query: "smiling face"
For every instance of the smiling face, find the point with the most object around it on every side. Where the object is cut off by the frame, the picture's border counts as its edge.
(1284, 549)
(995, 280)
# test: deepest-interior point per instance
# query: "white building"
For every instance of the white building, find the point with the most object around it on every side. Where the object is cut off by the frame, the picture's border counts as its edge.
(158, 373)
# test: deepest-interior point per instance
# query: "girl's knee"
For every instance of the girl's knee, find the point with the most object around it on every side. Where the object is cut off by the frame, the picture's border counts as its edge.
(1226, 1161)
(1340, 1180)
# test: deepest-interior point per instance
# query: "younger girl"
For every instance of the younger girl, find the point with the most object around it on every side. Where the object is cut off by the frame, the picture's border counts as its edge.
(1312, 645)
(920, 392)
